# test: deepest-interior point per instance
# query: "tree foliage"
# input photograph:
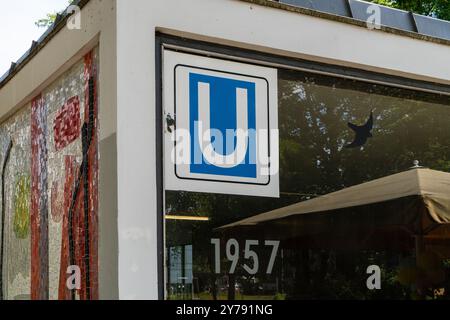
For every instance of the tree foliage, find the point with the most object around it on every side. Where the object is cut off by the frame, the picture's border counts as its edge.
(435, 8)
(49, 19)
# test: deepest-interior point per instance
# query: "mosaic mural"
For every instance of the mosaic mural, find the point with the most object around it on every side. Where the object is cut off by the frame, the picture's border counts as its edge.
(49, 196)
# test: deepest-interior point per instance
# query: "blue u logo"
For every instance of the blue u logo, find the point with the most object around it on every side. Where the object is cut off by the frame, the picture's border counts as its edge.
(222, 126)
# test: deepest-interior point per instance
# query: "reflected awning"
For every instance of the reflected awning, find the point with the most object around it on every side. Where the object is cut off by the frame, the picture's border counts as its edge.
(418, 199)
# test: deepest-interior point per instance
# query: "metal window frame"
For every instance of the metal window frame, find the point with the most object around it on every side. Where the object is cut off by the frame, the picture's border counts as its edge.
(164, 41)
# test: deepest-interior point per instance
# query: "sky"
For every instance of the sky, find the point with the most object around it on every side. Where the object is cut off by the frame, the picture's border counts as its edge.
(18, 31)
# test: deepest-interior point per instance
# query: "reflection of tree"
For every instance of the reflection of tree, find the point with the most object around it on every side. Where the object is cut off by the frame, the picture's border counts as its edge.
(313, 120)
(313, 131)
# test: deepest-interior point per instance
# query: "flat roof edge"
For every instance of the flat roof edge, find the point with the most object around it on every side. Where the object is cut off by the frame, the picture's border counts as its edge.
(51, 32)
(39, 44)
(348, 20)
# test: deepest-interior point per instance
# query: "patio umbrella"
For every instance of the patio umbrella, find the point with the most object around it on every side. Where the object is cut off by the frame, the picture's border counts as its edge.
(416, 202)
(402, 212)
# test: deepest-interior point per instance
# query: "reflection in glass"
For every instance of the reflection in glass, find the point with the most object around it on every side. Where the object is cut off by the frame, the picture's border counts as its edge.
(325, 254)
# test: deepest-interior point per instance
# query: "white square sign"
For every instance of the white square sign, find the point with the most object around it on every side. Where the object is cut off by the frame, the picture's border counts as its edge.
(220, 126)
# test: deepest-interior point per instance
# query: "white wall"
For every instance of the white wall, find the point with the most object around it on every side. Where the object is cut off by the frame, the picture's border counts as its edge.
(227, 22)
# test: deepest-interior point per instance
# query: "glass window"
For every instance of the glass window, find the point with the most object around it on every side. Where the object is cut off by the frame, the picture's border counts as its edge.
(383, 239)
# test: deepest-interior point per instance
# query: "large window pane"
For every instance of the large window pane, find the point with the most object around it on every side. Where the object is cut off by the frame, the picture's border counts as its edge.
(320, 252)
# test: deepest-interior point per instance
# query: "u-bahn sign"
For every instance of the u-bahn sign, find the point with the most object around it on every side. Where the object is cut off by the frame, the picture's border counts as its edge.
(221, 126)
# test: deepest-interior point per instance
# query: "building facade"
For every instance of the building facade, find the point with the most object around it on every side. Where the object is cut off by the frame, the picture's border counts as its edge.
(90, 188)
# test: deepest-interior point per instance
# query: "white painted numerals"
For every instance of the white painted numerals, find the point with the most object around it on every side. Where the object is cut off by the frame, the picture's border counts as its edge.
(232, 254)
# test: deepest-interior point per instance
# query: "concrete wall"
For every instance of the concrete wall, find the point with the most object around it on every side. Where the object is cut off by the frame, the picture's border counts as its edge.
(125, 34)
(62, 52)
(242, 25)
